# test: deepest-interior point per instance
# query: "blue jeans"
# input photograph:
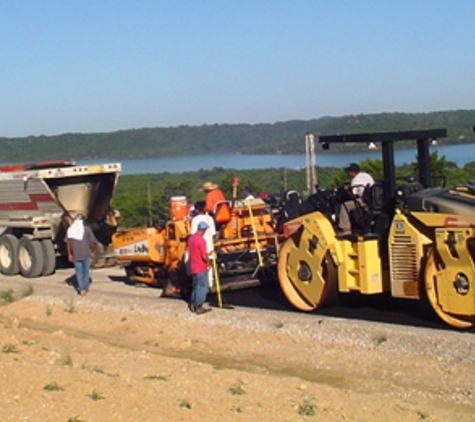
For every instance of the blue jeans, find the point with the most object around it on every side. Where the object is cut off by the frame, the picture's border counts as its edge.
(200, 288)
(82, 273)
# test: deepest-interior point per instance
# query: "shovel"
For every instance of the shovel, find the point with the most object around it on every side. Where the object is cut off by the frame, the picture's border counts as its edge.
(218, 288)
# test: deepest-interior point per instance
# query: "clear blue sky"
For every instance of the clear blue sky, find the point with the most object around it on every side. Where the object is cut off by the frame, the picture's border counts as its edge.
(105, 65)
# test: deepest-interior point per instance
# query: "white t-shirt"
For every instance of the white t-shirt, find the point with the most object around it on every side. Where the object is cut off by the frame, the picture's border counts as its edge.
(208, 236)
(359, 182)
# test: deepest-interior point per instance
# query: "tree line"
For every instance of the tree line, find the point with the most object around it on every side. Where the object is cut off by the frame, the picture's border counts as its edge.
(276, 138)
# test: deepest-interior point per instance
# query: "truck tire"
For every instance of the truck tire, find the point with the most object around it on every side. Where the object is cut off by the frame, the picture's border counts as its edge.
(9, 255)
(30, 257)
(49, 257)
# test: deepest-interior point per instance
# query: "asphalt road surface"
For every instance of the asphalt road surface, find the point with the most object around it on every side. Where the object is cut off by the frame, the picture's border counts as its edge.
(110, 283)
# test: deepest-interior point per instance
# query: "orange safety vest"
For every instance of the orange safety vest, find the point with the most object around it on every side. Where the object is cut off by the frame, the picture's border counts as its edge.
(212, 197)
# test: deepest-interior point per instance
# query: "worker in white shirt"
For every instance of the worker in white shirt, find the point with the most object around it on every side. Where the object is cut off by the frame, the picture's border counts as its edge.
(200, 215)
(248, 193)
(359, 181)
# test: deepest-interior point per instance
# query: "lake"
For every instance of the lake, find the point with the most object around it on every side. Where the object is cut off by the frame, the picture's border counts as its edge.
(460, 154)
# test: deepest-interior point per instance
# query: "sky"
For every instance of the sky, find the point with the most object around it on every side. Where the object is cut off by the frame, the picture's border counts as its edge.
(89, 66)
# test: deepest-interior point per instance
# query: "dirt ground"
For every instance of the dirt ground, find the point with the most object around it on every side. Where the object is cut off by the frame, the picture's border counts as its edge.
(122, 353)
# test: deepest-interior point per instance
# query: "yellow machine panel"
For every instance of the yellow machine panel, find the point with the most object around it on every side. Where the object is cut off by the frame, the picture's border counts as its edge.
(360, 269)
(141, 245)
(406, 245)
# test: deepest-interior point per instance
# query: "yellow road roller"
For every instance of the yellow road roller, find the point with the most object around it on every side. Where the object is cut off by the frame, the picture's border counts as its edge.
(412, 240)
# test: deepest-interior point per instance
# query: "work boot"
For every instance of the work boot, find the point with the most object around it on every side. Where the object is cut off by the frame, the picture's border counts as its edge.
(192, 307)
(202, 310)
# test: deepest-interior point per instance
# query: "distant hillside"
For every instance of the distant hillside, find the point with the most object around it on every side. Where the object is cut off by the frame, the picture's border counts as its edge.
(277, 138)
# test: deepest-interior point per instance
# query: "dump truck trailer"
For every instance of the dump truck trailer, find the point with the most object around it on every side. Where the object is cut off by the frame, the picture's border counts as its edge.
(38, 202)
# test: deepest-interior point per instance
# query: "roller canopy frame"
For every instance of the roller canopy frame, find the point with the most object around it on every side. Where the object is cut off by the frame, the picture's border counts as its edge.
(387, 140)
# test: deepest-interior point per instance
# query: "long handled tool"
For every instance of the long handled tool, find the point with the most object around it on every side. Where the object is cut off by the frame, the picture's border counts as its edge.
(213, 260)
(216, 279)
(256, 239)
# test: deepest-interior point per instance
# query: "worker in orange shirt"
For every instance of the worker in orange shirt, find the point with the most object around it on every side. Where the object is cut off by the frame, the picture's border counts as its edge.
(213, 196)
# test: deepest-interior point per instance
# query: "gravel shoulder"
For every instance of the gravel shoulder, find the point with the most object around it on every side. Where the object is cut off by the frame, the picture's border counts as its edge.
(124, 353)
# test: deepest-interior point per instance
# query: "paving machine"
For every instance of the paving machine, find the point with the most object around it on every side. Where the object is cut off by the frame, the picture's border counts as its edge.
(413, 240)
(245, 248)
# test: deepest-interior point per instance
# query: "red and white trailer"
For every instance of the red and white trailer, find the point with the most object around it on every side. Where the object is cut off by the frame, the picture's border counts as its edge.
(37, 202)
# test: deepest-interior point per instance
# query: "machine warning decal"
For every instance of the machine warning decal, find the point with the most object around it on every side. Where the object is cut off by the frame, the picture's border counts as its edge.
(399, 226)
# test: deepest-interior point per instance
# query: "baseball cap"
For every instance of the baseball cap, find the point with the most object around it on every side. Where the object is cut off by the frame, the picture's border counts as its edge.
(353, 167)
(202, 225)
